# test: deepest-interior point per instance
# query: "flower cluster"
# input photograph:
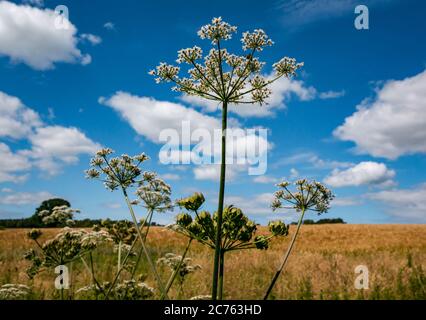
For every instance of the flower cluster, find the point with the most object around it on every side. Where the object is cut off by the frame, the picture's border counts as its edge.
(116, 172)
(122, 231)
(307, 196)
(59, 216)
(225, 77)
(256, 40)
(155, 193)
(238, 231)
(165, 72)
(173, 261)
(217, 30)
(127, 290)
(12, 291)
(192, 203)
(189, 55)
(66, 246)
(260, 91)
(287, 67)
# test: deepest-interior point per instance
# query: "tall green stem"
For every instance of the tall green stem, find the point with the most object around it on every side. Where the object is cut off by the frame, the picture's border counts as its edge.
(218, 245)
(176, 271)
(221, 273)
(145, 249)
(149, 219)
(277, 274)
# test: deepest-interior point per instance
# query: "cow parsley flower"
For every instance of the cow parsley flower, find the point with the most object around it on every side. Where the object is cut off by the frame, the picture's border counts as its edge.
(12, 291)
(217, 30)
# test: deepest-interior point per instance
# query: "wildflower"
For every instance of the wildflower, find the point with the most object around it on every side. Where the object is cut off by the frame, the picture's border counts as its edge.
(308, 195)
(256, 40)
(155, 194)
(61, 215)
(119, 171)
(14, 291)
(201, 297)
(122, 231)
(226, 78)
(261, 242)
(287, 67)
(132, 290)
(34, 234)
(217, 30)
(192, 203)
(278, 228)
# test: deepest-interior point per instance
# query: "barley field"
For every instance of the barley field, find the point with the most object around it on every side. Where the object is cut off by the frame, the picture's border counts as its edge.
(321, 267)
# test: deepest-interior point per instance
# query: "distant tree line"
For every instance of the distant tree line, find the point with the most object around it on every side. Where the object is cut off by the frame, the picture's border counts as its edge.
(36, 222)
(323, 221)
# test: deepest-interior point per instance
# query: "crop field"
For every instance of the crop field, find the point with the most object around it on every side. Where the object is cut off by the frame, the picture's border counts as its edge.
(321, 267)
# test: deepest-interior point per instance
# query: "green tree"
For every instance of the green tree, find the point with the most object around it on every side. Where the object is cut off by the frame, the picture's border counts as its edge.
(35, 219)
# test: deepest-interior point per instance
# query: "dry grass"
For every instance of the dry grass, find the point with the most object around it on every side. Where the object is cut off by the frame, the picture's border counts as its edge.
(321, 266)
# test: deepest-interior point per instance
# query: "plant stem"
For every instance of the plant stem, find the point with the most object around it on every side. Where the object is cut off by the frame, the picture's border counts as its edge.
(145, 249)
(149, 219)
(176, 271)
(218, 245)
(119, 257)
(277, 274)
(221, 273)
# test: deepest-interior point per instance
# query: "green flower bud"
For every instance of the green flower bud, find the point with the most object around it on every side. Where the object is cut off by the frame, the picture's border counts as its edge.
(278, 228)
(183, 219)
(261, 242)
(195, 228)
(34, 234)
(192, 203)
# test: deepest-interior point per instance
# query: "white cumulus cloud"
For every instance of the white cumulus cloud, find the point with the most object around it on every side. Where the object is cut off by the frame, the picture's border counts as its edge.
(406, 205)
(28, 35)
(364, 173)
(393, 124)
(16, 120)
(25, 198)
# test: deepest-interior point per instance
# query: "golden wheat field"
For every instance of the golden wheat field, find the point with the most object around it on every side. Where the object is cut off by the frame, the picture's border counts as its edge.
(321, 266)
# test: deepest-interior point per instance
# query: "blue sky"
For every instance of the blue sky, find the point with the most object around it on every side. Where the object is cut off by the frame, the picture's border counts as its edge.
(354, 118)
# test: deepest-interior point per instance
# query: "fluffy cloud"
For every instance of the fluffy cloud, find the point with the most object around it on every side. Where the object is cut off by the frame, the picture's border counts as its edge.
(11, 164)
(109, 25)
(364, 173)
(406, 205)
(91, 38)
(16, 120)
(54, 145)
(314, 160)
(148, 117)
(25, 198)
(393, 124)
(345, 202)
(212, 172)
(51, 146)
(28, 35)
(256, 205)
(331, 94)
(282, 90)
(265, 179)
